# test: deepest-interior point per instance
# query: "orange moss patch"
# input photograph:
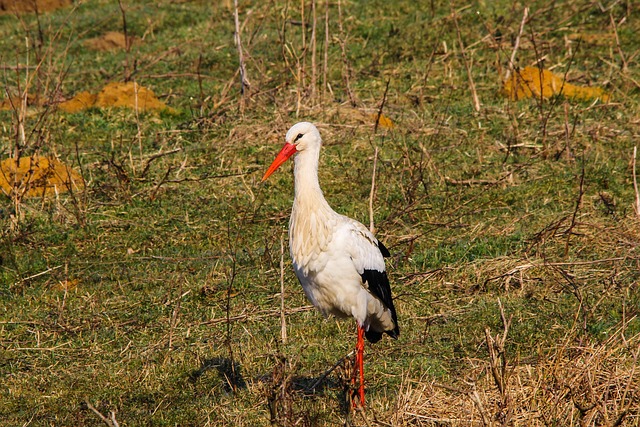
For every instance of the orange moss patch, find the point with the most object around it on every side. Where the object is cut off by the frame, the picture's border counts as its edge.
(26, 6)
(109, 41)
(15, 102)
(80, 102)
(384, 121)
(67, 285)
(37, 177)
(130, 95)
(533, 82)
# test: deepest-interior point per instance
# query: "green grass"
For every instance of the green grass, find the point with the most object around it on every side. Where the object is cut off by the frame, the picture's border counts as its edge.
(119, 296)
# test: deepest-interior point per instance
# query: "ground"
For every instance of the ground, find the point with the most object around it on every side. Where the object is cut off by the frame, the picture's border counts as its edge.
(158, 291)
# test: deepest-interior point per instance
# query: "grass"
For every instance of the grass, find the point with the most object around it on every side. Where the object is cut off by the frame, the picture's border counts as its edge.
(153, 295)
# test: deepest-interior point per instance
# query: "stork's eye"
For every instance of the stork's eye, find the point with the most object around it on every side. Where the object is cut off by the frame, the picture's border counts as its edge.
(298, 137)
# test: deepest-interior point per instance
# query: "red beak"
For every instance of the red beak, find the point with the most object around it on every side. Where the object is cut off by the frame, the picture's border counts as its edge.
(287, 151)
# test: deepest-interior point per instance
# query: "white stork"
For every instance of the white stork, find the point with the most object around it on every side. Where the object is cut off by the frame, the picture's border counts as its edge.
(338, 261)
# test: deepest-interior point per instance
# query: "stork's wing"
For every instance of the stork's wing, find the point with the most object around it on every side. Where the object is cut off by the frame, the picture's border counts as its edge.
(368, 257)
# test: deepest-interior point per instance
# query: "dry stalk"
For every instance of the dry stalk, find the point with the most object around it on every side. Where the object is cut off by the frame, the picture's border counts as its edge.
(499, 366)
(372, 227)
(566, 133)
(283, 318)
(475, 398)
(230, 280)
(516, 44)
(324, 376)
(384, 100)
(301, 61)
(467, 65)
(346, 70)
(325, 61)
(625, 67)
(569, 231)
(175, 315)
(244, 80)
(111, 421)
(314, 23)
(127, 72)
(635, 182)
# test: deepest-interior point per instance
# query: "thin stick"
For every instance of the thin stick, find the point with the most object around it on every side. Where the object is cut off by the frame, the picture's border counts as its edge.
(244, 80)
(516, 44)
(283, 319)
(635, 181)
(314, 23)
(48, 270)
(345, 60)
(111, 422)
(467, 65)
(372, 227)
(569, 230)
(475, 398)
(625, 67)
(326, 374)
(127, 74)
(325, 62)
(384, 100)
(174, 316)
(302, 63)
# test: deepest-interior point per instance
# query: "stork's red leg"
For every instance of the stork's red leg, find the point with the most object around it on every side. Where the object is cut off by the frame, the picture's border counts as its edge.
(360, 364)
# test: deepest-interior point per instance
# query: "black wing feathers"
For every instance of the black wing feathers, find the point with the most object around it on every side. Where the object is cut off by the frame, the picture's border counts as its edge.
(383, 250)
(378, 283)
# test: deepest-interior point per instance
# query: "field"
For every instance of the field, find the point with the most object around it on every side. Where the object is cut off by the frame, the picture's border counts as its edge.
(147, 280)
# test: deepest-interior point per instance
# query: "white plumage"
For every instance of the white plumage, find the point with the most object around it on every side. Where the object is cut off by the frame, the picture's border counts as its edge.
(338, 261)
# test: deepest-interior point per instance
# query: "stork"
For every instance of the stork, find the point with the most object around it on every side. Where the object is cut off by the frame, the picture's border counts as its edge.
(338, 261)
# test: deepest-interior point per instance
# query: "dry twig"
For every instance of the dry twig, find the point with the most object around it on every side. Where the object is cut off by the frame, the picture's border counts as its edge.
(516, 44)
(467, 65)
(635, 182)
(111, 421)
(283, 319)
(244, 80)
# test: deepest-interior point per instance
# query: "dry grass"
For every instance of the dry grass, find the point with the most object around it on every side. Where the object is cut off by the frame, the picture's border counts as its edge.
(154, 296)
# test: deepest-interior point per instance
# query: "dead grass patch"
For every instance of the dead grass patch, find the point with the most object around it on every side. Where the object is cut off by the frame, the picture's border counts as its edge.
(574, 385)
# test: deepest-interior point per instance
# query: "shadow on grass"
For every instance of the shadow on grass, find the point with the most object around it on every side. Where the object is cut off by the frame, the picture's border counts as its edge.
(229, 372)
(285, 392)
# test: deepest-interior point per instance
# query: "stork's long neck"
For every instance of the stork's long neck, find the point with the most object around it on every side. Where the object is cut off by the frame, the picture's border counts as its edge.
(312, 219)
(308, 195)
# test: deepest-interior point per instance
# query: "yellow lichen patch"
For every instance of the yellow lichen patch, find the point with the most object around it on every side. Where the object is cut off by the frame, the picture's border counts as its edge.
(37, 176)
(81, 101)
(534, 82)
(130, 95)
(15, 102)
(383, 121)
(25, 6)
(67, 285)
(111, 40)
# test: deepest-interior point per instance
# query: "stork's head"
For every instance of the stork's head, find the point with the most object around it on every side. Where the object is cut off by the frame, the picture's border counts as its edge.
(302, 136)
